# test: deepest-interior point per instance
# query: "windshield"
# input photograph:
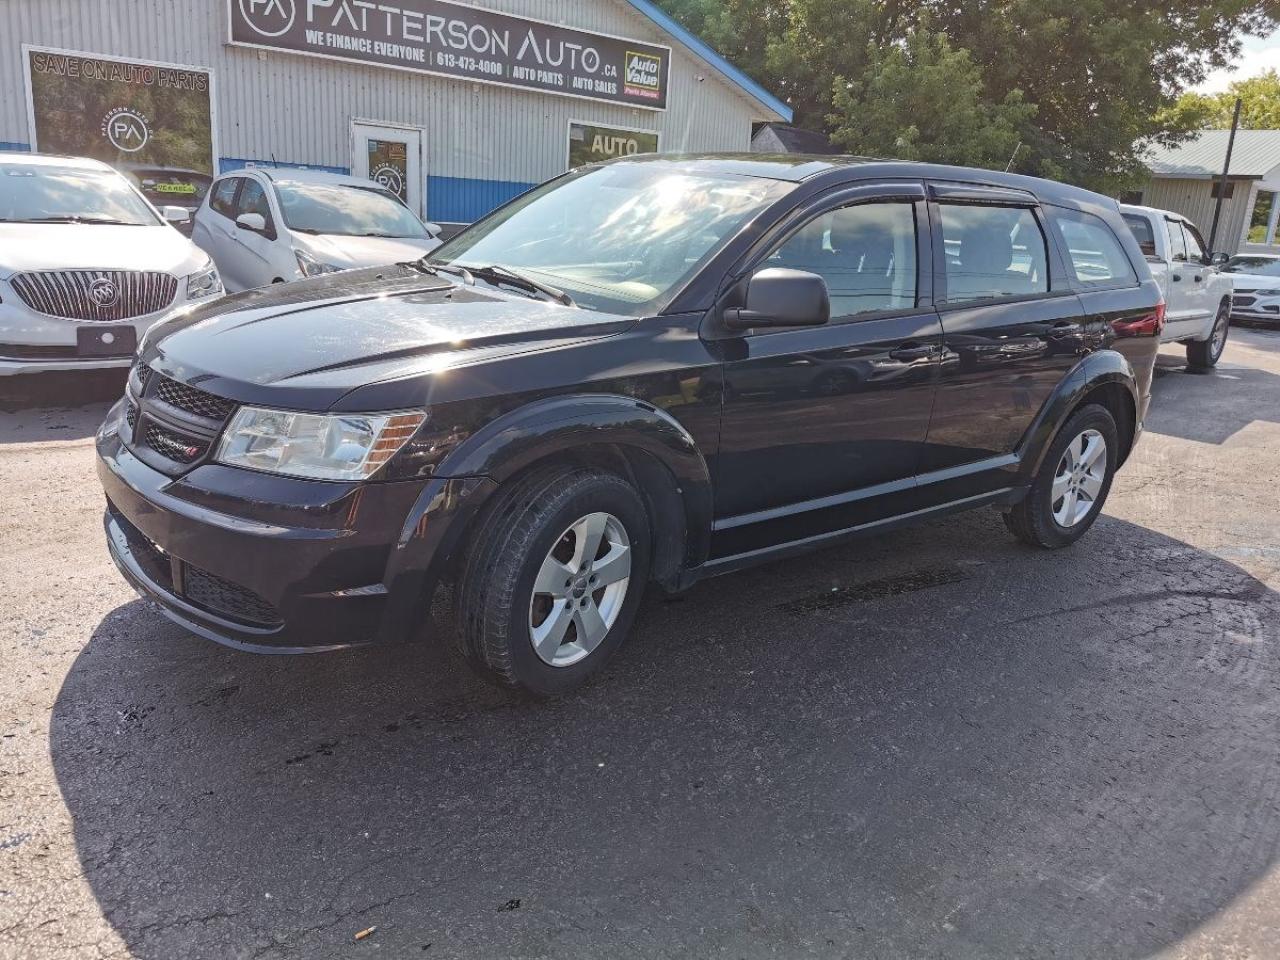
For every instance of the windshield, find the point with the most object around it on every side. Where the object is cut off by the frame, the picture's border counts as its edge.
(617, 238)
(31, 193)
(346, 211)
(1260, 266)
(173, 187)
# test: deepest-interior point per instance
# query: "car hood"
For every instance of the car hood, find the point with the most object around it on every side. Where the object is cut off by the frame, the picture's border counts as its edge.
(306, 345)
(73, 246)
(350, 252)
(1244, 282)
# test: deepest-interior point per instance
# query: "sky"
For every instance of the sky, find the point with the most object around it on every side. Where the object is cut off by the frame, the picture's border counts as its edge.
(1258, 54)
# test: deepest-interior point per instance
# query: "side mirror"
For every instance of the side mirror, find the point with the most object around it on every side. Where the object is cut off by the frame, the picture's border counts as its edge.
(176, 214)
(254, 222)
(433, 228)
(777, 297)
(1218, 259)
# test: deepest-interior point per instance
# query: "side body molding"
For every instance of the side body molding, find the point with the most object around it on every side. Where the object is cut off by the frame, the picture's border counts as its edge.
(1096, 369)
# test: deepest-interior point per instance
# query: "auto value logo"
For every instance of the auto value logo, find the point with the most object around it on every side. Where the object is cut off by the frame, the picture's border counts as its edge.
(104, 293)
(126, 129)
(643, 75)
(269, 18)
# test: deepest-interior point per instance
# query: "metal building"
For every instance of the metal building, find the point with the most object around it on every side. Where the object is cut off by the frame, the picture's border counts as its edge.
(458, 106)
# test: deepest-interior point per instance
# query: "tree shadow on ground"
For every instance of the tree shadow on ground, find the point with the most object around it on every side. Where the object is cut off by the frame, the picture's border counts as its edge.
(875, 751)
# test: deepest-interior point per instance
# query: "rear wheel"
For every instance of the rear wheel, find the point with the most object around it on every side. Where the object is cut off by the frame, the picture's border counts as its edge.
(1204, 354)
(553, 579)
(1073, 482)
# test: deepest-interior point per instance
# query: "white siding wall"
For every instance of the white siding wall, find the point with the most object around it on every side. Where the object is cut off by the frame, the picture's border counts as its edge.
(301, 108)
(1194, 200)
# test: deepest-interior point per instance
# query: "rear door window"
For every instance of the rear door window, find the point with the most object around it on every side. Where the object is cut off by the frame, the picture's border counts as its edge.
(223, 200)
(993, 252)
(1177, 242)
(1096, 256)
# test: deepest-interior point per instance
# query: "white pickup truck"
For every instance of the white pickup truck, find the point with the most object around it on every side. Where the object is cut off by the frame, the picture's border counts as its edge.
(1197, 296)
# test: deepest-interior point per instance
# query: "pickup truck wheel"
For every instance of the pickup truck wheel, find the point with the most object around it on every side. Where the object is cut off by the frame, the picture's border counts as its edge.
(553, 579)
(1073, 482)
(1204, 354)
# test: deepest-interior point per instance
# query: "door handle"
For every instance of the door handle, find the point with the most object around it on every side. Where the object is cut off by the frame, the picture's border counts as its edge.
(1199, 279)
(1065, 325)
(912, 351)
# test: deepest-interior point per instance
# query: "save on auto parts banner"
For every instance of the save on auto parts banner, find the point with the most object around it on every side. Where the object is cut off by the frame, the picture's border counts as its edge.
(120, 111)
(455, 40)
(589, 143)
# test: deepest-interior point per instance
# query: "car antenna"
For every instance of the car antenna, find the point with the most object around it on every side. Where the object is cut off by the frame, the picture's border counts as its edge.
(276, 163)
(1009, 166)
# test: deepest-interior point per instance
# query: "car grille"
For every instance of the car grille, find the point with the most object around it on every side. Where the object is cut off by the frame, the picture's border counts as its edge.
(131, 415)
(174, 446)
(106, 295)
(227, 599)
(199, 587)
(192, 400)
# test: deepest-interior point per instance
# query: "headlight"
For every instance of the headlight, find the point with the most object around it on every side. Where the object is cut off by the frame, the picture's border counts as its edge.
(311, 267)
(345, 446)
(1268, 293)
(206, 283)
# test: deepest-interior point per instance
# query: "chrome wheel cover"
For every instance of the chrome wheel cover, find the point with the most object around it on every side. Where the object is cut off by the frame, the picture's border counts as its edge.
(1078, 480)
(1218, 339)
(580, 589)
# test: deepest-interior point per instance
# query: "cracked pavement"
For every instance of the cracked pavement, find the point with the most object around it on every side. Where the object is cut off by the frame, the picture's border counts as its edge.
(930, 744)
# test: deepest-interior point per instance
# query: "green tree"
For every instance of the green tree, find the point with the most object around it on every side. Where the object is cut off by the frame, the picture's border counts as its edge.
(920, 99)
(1260, 109)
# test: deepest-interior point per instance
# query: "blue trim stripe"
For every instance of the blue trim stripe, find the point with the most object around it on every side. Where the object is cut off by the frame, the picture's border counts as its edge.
(702, 49)
(464, 200)
(15, 147)
(227, 164)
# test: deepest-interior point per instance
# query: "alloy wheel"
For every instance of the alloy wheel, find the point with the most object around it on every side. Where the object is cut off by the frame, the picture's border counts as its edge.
(1078, 481)
(1218, 339)
(580, 589)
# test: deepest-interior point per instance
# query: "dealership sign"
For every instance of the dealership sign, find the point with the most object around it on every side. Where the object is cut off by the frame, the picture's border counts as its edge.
(590, 143)
(120, 110)
(455, 40)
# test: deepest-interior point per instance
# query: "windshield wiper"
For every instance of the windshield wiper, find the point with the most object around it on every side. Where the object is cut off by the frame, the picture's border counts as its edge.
(498, 274)
(109, 221)
(436, 269)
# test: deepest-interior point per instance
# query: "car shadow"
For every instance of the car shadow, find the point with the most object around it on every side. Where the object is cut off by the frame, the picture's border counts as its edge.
(877, 750)
(1213, 406)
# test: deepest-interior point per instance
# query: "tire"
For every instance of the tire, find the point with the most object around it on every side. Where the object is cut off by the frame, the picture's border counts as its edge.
(545, 519)
(1034, 520)
(1204, 354)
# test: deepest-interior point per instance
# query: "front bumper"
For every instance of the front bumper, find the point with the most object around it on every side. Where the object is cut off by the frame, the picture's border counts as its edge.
(275, 564)
(1250, 306)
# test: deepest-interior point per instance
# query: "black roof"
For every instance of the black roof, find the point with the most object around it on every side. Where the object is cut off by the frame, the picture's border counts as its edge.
(799, 168)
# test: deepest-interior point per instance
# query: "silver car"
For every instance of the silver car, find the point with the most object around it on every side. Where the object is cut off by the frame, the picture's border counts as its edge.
(1255, 281)
(265, 226)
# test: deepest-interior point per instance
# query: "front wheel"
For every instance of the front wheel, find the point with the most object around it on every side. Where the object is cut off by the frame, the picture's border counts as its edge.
(553, 579)
(1204, 354)
(1073, 482)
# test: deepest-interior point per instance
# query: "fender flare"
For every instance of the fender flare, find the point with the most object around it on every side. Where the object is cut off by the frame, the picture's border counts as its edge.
(1097, 369)
(462, 483)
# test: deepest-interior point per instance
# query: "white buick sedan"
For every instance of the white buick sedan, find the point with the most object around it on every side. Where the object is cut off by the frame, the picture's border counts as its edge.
(266, 226)
(87, 265)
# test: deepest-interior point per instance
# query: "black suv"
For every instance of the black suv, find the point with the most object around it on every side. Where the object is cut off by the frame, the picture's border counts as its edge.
(659, 368)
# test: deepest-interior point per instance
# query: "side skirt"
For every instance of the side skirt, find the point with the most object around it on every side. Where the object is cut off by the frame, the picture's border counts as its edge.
(1004, 497)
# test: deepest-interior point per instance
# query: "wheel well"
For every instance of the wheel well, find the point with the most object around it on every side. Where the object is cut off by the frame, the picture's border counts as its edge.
(1119, 403)
(656, 485)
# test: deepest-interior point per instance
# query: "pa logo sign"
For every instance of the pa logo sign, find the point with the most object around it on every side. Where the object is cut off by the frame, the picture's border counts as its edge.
(268, 18)
(126, 129)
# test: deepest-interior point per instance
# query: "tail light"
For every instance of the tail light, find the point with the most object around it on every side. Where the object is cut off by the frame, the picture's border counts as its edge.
(1152, 325)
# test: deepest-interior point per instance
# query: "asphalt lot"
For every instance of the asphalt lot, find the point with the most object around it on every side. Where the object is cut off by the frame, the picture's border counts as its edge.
(932, 744)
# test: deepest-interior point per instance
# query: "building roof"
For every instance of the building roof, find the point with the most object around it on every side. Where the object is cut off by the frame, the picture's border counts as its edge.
(1256, 153)
(797, 139)
(704, 51)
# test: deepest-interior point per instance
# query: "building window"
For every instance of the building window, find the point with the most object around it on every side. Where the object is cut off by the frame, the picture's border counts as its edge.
(1262, 225)
(1217, 189)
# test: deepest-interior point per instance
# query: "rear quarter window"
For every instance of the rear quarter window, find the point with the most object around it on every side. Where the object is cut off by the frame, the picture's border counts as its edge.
(1094, 253)
(1140, 227)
